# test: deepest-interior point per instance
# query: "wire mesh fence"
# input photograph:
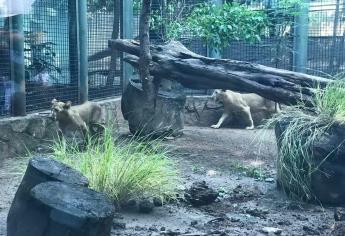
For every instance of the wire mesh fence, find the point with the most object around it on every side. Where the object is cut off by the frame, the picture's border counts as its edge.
(52, 56)
(325, 46)
(326, 38)
(5, 79)
(104, 74)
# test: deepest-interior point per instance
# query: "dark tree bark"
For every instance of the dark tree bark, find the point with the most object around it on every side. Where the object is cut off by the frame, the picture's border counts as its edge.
(144, 52)
(175, 62)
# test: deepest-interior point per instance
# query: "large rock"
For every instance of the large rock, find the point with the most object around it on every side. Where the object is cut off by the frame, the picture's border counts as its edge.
(167, 118)
(200, 194)
(20, 221)
(328, 152)
(69, 210)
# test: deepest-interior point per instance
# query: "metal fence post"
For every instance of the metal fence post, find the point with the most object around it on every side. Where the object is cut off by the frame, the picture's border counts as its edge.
(73, 44)
(83, 51)
(126, 33)
(16, 36)
(213, 52)
(301, 32)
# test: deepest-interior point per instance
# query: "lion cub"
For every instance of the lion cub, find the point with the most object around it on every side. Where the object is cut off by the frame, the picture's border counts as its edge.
(82, 117)
(243, 105)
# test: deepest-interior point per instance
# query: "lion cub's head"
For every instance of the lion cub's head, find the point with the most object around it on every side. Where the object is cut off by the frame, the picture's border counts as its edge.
(59, 107)
(217, 95)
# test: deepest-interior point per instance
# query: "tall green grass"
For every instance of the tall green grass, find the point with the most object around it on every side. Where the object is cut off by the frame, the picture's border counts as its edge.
(124, 170)
(304, 127)
(330, 102)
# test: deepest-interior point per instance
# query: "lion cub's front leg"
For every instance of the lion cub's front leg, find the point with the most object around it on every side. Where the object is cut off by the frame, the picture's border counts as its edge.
(220, 122)
(247, 113)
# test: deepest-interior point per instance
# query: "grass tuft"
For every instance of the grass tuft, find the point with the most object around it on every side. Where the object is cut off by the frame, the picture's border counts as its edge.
(124, 170)
(303, 128)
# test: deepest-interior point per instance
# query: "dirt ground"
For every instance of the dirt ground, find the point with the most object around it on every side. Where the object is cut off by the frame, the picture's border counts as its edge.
(240, 164)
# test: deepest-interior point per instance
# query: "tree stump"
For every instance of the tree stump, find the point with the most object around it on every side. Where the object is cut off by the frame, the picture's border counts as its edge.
(168, 113)
(61, 209)
(39, 170)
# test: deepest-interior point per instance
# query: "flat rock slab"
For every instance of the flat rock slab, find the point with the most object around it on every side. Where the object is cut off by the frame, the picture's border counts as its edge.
(57, 171)
(74, 208)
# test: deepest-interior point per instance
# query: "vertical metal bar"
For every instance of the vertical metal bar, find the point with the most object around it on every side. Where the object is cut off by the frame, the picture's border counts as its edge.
(126, 33)
(16, 36)
(83, 51)
(214, 52)
(156, 6)
(301, 31)
(73, 44)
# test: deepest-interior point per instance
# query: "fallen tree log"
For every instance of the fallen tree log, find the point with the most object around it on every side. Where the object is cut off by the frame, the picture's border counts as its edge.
(173, 61)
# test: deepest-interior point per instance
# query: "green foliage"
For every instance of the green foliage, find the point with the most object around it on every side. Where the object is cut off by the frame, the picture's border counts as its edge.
(218, 25)
(40, 54)
(251, 171)
(123, 170)
(295, 163)
(100, 5)
(331, 101)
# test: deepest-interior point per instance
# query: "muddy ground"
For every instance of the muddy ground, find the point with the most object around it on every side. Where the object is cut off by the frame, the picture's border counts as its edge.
(240, 164)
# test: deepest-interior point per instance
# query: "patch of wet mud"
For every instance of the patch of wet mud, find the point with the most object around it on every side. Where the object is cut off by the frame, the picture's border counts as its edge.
(240, 165)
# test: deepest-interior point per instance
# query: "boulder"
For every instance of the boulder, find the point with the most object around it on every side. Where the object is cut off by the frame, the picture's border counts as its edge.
(69, 210)
(39, 170)
(328, 152)
(200, 194)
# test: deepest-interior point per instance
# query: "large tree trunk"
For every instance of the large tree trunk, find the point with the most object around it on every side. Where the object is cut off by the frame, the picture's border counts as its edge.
(145, 54)
(175, 62)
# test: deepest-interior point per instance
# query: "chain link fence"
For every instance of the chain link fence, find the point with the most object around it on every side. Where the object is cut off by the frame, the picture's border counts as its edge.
(5, 79)
(104, 73)
(50, 54)
(51, 46)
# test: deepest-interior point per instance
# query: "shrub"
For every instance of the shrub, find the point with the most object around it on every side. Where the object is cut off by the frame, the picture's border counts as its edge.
(124, 170)
(216, 25)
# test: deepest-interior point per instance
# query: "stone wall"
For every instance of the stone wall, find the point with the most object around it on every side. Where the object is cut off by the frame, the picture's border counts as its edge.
(36, 132)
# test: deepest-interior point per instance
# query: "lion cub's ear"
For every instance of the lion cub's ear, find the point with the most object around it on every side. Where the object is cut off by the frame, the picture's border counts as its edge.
(68, 105)
(223, 90)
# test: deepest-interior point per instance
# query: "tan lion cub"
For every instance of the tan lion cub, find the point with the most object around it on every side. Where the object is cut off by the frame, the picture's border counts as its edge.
(243, 105)
(77, 118)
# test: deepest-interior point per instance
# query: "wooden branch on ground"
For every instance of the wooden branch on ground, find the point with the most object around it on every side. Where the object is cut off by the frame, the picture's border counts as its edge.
(175, 62)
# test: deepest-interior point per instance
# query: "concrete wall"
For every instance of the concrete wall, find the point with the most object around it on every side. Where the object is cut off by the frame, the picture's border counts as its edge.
(35, 132)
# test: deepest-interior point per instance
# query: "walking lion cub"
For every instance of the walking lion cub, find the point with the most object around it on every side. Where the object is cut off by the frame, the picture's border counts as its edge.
(83, 118)
(242, 105)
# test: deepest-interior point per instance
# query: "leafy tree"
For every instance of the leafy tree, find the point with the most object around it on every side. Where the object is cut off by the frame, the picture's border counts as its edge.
(217, 25)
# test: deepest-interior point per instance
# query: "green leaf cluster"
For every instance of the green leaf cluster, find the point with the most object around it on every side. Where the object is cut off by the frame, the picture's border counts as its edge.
(218, 25)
